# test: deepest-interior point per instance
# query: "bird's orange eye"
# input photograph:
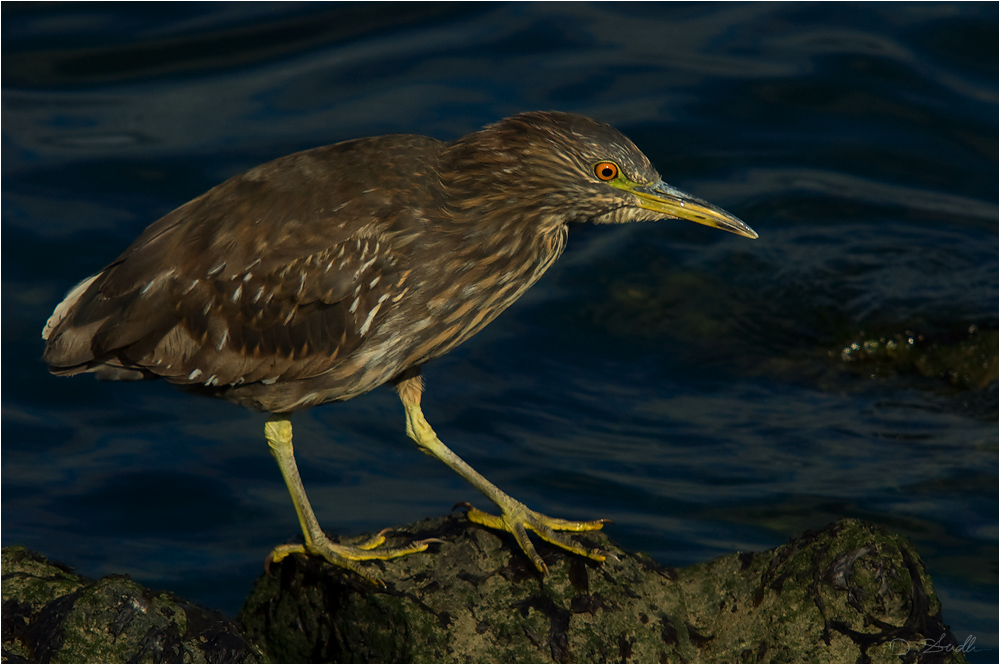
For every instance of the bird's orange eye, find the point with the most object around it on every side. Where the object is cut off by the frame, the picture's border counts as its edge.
(606, 171)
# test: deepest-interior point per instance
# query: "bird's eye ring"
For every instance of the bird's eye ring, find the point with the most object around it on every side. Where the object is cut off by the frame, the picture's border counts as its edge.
(606, 171)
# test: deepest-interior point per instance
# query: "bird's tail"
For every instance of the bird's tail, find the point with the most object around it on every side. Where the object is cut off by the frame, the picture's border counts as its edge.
(68, 344)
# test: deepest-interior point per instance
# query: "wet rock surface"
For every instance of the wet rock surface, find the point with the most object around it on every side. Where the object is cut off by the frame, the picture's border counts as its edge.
(963, 359)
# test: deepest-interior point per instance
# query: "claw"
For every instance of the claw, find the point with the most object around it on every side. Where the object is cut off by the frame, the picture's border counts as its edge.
(375, 540)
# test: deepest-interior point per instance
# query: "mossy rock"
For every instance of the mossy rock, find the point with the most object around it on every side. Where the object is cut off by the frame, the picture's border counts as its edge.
(851, 592)
(52, 615)
(965, 359)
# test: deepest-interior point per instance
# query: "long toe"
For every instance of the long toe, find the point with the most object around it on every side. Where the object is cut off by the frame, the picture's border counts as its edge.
(517, 519)
(349, 556)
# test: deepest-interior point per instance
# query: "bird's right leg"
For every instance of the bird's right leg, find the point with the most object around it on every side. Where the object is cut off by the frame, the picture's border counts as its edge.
(515, 518)
(278, 431)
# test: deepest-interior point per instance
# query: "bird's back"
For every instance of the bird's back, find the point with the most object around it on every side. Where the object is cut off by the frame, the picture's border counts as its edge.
(265, 289)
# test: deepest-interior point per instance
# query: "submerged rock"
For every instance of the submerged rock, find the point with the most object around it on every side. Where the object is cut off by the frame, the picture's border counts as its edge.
(966, 359)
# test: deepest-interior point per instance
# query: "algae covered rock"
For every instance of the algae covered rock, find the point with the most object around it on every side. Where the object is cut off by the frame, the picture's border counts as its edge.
(851, 592)
(51, 615)
(965, 359)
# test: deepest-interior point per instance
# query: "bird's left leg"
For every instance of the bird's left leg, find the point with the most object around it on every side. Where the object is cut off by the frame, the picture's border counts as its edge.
(278, 431)
(515, 517)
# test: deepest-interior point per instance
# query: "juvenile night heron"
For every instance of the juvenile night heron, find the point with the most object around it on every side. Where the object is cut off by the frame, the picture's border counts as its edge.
(321, 275)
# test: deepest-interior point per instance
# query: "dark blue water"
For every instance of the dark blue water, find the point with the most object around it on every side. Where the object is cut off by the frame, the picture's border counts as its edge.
(683, 382)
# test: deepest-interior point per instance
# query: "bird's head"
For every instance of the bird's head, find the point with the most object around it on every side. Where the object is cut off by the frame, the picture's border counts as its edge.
(568, 167)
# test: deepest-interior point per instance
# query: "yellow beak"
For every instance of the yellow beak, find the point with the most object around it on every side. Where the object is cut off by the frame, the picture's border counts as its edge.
(662, 198)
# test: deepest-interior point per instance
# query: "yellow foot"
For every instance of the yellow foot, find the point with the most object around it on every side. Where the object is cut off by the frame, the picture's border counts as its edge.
(348, 556)
(518, 518)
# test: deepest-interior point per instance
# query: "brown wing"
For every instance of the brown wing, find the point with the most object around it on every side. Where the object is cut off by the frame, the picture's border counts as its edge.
(273, 276)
